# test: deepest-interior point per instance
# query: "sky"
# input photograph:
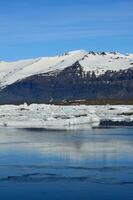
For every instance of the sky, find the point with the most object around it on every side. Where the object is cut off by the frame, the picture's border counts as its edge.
(35, 28)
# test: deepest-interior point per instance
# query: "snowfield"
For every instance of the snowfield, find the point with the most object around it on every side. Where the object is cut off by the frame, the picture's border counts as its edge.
(10, 72)
(62, 117)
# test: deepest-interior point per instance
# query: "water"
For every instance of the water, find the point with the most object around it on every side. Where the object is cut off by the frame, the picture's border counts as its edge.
(85, 165)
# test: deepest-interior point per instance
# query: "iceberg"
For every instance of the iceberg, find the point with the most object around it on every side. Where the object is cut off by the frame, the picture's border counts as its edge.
(55, 117)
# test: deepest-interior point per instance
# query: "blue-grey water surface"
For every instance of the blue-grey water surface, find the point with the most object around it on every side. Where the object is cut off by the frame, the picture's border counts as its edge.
(75, 165)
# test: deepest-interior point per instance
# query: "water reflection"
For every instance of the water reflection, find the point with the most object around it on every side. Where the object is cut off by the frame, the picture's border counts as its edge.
(93, 163)
(108, 146)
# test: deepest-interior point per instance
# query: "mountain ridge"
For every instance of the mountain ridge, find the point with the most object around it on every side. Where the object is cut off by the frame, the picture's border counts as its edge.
(74, 75)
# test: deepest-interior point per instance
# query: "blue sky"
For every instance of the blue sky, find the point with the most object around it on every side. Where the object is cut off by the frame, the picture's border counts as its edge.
(32, 28)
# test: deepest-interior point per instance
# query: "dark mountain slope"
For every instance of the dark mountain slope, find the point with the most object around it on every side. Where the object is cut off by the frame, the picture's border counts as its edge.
(72, 83)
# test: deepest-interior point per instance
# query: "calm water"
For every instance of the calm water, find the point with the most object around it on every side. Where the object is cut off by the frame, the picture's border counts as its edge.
(86, 165)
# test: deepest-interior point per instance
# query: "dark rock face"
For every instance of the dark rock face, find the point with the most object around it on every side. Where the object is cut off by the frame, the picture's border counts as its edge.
(70, 84)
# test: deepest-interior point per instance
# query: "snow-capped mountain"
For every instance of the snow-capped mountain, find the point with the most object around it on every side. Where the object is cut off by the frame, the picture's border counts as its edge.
(11, 72)
(76, 68)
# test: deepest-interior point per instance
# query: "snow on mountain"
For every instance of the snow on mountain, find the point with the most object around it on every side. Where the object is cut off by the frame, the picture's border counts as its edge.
(100, 63)
(11, 72)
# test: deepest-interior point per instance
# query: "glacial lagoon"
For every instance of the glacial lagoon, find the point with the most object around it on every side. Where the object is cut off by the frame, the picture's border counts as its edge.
(76, 165)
